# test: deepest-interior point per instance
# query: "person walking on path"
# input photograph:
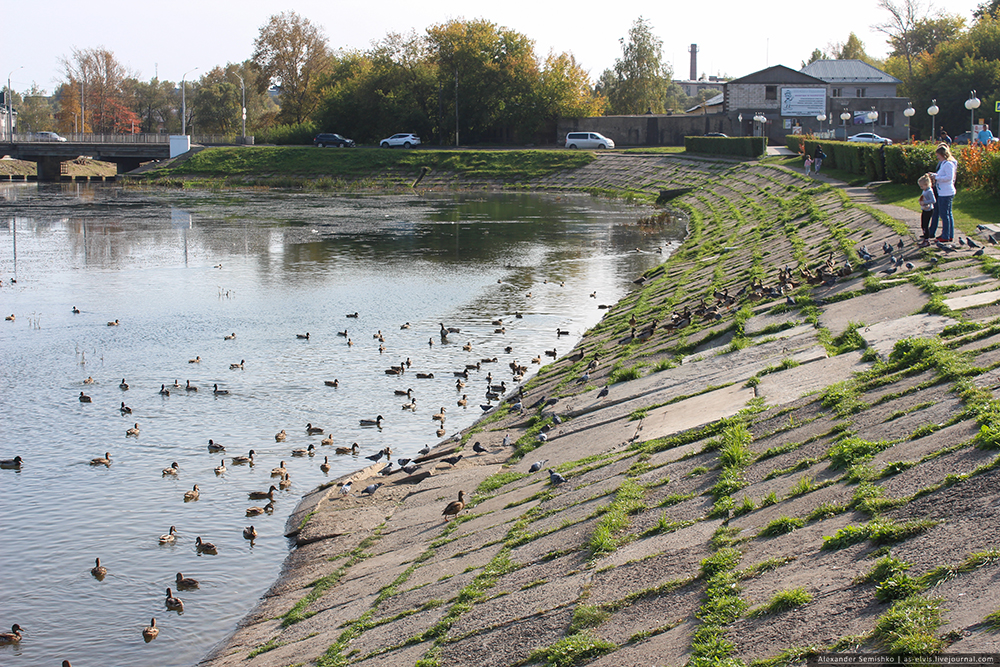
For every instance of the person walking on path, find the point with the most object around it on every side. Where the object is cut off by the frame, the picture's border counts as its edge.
(927, 205)
(944, 177)
(945, 139)
(808, 163)
(818, 157)
(985, 136)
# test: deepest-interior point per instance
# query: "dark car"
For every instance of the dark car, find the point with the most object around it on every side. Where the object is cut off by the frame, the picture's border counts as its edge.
(717, 134)
(323, 140)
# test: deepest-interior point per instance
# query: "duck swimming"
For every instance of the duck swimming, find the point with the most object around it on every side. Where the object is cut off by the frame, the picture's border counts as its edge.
(302, 452)
(285, 482)
(250, 533)
(12, 637)
(260, 495)
(257, 511)
(124, 409)
(213, 446)
(238, 366)
(313, 430)
(221, 468)
(353, 449)
(14, 463)
(193, 494)
(134, 431)
(84, 398)
(148, 633)
(325, 465)
(372, 422)
(204, 547)
(279, 471)
(173, 603)
(220, 392)
(243, 460)
(327, 440)
(124, 385)
(99, 571)
(164, 391)
(102, 461)
(190, 387)
(332, 383)
(172, 470)
(196, 360)
(186, 582)
(169, 537)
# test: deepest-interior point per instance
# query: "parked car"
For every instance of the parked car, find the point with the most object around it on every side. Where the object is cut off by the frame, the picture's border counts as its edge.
(966, 137)
(869, 138)
(48, 136)
(323, 140)
(588, 140)
(405, 140)
(717, 134)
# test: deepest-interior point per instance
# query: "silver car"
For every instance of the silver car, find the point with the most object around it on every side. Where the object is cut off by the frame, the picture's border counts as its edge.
(48, 136)
(869, 138)
(405, 140)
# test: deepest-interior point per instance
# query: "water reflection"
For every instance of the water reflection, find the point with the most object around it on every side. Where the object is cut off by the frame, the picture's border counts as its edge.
(181, 270)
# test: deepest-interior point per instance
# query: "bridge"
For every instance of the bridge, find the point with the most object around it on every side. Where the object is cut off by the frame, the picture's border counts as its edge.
(127, 151)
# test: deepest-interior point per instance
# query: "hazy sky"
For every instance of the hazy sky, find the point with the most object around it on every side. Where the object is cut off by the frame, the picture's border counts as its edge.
(170, 38)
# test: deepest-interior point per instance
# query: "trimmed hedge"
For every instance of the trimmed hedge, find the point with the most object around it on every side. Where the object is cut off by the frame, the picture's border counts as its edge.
(736, 146)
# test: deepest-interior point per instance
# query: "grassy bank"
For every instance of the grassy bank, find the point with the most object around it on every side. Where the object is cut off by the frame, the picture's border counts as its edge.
(370, 162)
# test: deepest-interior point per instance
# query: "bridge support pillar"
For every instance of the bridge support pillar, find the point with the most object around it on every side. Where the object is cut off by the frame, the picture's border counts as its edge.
(49, 169)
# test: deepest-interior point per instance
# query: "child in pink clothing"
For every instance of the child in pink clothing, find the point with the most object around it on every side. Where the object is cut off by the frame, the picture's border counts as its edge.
(927, 201)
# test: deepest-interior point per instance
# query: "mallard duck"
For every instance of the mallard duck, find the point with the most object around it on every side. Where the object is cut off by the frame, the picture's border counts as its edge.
(231, 336)
(303, 452)
(172, 470)
(459, 384)
(440, 432)
(99, 571)
(243, 460)
(353, 449)
(219, 392)
(404, 326)
(84, 398)
(468, 346)
(102, 461)
(186, 582)
(286, 481)
(89, 380)
(536, 360)
(213, 446)
(455, 506)
(193, 494)
(304, 336)
(221, 468)
(171, 536)
(177, 384)
(325, 465)
(164, 391)
(332, 383)
(313, 430)
(14, 636)
(350, 342)
(399, 392)
(124, 409)
(353, 316)
(280, 436)
(134, 431)
(238, 366)
(255, 511)
(327, 440)
(250, 533)
(204, 547)
(175, 604)
(123, 385)
(190, 387)
(260, 495)
(76, 311)
(110, 324)
(14, 463)
(372, 422)
(342, 333)
(148, 633)
(196, 360)
(279, 471)
(439, 416)
(464, 400)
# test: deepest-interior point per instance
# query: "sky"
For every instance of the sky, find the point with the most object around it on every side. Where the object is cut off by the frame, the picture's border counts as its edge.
(168, 39)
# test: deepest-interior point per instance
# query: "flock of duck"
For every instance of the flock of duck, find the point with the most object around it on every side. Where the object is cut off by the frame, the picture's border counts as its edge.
(492, 392)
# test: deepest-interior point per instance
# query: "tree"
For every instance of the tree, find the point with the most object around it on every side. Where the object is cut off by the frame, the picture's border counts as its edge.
(852, 49)
(640, 79)
(817, 54)
(988, 9)
(291, 52)
(564, 89)
(35, 111)
(100, 78)
(154, 103)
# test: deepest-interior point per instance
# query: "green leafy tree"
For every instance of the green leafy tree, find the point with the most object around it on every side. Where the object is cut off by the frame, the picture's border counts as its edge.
(291, 52)
(989, 9)
(817, 54)
(155, 103)
(640, 79)
(35, 110)
(564, 90)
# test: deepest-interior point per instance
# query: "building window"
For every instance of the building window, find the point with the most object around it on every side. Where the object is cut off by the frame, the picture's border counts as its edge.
(770, 92)
(836, 92)
(888, 119)
(861, 92)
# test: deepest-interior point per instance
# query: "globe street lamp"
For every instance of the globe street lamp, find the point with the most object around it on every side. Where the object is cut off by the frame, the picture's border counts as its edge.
(845, 116)
(872, 117)
(972, 104)
(739, 119)
(184, 101)
(821, 117)
(908, 112)
(932, 111)
(759, 118)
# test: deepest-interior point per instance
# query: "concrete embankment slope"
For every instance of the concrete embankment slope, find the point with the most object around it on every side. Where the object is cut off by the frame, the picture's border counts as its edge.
(768, 479)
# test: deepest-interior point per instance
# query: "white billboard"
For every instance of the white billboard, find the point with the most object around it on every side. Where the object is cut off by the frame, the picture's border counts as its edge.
(803, 101)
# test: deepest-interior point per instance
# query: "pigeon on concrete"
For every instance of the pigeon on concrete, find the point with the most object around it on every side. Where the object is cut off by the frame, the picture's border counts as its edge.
(506, 440)
(555, 478)
(478, 448)
(402, 462)
(371, 489)
(971, 243)
(425, 450)
(979, 253)
(346, 488)
(537, 465)
(602, 393)
(375, 457)
(386, 470)
(909, 265)
(453, 459)
(409, 470)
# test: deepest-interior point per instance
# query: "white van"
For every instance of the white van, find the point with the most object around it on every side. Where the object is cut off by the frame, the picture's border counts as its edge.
(588, 140)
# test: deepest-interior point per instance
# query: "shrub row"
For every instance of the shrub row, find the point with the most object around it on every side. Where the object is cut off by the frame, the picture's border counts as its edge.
(978, 167)
(735, 146)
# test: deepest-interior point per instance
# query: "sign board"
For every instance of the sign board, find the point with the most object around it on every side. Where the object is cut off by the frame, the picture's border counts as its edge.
(997, 107)
(803, 101)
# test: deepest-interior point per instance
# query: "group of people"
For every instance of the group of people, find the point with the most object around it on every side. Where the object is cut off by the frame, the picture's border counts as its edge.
(937, 192)
(815, 161)
(984, 136)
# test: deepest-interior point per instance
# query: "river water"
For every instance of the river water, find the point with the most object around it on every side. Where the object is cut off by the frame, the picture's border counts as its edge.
(181, 270)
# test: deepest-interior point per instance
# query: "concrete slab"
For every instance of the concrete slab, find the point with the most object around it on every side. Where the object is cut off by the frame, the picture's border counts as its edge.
(963, 302)
(758, 323)
(695, 411)
(883, 336)
(790, 384)
(887, 304)
(786, 333)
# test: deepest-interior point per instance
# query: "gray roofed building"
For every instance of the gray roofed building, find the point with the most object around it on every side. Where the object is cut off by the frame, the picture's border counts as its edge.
(853, 78)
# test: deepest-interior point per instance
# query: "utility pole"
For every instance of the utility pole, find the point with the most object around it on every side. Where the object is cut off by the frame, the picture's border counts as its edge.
(456, 107)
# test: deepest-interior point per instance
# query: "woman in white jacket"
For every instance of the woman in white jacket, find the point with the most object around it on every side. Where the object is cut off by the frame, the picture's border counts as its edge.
(945, 180)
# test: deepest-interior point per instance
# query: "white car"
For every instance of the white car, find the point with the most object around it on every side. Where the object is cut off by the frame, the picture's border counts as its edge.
(869, 138)
(588, 140)
(404, 140)
(48, 136)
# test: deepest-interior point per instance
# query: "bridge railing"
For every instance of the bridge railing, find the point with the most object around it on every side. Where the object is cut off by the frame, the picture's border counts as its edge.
(91, 138)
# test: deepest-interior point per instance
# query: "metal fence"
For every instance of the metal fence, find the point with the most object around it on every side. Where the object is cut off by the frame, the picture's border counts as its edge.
(91, 138)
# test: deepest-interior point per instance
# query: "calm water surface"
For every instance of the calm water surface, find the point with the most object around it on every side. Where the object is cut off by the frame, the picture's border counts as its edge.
(180, 271)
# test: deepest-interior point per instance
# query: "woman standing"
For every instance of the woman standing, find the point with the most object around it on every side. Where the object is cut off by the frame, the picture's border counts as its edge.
(944, 178)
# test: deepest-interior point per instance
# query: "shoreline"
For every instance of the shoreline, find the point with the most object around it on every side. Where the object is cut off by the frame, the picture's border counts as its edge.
(734, 446)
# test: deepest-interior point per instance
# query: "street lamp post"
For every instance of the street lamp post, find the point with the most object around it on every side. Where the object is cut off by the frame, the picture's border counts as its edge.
(243, 107)
(845, 116)
(739, 119)
(184, 101)
(10, 95)
(932, 111)
(872, 117)
(759, 120)
(821, 118)
(972, 104)
(908, 112)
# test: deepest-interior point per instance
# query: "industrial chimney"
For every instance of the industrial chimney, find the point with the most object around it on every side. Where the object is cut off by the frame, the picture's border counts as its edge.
(694, 62)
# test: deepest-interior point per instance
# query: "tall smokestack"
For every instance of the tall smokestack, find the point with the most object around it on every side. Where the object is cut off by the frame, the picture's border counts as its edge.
(694, 62)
